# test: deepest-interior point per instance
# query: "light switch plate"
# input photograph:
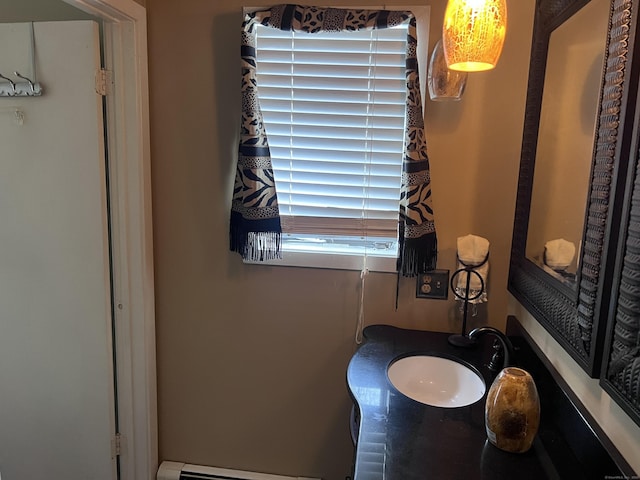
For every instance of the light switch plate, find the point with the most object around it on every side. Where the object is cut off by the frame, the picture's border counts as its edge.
(433, 284)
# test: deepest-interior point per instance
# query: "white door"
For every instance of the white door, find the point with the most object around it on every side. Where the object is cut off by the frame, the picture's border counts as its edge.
(57, 414)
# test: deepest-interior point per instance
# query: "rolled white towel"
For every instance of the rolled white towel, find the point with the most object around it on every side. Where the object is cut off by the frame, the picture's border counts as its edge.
(559, 253)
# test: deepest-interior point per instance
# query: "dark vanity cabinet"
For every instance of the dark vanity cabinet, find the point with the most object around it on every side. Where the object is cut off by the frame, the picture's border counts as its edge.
(397, 438)
(582, 116)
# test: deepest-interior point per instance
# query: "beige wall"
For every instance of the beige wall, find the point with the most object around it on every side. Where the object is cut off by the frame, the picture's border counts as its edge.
(252, 359)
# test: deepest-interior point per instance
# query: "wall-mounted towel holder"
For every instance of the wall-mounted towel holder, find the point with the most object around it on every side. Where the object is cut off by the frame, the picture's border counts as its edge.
(21, 88)
(462, 340)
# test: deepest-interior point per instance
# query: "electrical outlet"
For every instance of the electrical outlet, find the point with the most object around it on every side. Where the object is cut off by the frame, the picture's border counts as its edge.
(433, 284)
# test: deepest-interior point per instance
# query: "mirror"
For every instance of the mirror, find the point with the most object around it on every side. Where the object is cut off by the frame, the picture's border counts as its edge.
(568, 119)
(572, 311)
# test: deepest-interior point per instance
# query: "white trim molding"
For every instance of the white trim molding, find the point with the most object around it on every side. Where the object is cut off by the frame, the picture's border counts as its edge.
(128, 145)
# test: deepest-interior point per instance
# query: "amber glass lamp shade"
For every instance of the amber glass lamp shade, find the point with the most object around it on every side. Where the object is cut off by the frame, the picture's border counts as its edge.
(473, 34)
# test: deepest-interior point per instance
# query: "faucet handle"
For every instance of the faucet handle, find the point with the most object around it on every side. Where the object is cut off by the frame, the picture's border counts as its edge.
(497, 359)
(505, 343)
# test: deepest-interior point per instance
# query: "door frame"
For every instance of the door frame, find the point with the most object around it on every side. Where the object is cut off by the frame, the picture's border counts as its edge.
(128, 146)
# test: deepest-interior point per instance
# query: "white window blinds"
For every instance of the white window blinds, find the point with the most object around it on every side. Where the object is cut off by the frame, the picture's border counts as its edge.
(334, 112)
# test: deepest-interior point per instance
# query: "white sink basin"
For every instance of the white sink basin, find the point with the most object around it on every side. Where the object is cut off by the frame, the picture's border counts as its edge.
(436, 381)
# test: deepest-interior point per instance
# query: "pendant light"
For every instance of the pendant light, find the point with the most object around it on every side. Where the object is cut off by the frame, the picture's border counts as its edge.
(444, 84)
(473, 34)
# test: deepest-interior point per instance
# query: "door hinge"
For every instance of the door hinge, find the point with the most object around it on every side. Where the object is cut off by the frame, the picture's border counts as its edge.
(104, 82)
(116, 445)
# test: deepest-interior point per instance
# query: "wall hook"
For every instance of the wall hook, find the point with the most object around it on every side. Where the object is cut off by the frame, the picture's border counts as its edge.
(31, 85)
(4, 91)
(23, 88)
(27, 87)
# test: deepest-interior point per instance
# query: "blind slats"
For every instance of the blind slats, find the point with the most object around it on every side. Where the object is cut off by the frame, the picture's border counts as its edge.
(334, 95)
(341, 145)
(334, 113)
(338, 226)
(358, 158)
(340, 184)
(323, 107)
(336, 58)
(323, 79)
(303, 132)
(335, 120)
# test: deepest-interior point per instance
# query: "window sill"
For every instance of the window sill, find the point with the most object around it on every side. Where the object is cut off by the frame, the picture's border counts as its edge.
(333, 261)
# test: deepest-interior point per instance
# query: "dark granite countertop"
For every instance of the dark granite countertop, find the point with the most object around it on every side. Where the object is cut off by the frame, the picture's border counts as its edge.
(401, 439)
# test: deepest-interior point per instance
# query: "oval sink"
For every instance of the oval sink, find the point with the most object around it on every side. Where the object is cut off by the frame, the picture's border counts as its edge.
(436, 381)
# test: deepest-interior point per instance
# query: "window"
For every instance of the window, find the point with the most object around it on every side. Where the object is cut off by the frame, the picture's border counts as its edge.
(333, 105)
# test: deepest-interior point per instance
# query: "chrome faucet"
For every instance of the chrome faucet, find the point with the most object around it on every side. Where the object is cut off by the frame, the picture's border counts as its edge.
(506, 353)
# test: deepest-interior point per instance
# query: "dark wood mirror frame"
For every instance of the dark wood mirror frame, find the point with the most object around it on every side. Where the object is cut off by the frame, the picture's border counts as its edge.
(577, 318)
(620, 374)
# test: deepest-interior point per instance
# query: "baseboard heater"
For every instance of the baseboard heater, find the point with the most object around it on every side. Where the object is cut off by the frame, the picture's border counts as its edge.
(185, 471)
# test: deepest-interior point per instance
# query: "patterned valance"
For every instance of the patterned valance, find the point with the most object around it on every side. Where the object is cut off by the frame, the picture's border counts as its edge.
(255, 230)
